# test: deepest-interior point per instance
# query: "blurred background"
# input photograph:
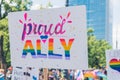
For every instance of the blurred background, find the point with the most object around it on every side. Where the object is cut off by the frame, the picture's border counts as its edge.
(103, 23)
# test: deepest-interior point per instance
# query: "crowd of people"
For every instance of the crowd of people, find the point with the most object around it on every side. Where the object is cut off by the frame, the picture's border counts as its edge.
(64, 74)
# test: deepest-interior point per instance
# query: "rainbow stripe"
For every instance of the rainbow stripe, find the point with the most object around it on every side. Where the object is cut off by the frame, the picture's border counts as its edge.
(50, 50)
(28, 48)
(39, 54)
(115, 64)
(67, 47)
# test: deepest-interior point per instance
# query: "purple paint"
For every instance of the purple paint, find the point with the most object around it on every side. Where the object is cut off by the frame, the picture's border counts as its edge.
(31, 27)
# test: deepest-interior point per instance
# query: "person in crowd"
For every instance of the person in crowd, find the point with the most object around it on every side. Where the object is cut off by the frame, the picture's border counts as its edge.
(65, 74)
(2, 74)
(71, 74)
(8, 75)
(40, 74)
(50, 75)
(58, 74)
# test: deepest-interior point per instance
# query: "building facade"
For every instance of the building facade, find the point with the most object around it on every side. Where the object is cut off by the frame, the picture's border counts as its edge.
(114, 21)
(96, 15)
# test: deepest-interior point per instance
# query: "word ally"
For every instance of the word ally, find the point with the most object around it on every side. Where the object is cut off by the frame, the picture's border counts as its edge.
(29, 48)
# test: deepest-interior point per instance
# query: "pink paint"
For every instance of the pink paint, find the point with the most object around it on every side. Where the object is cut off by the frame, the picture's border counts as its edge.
(68, 14)
(30, 27)
(20, 21)
(61, 17)
(43, 40)
(69, 21)
(25, 16)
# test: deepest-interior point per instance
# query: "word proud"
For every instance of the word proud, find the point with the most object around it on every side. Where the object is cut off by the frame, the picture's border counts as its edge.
(29, 48)
(43, 29)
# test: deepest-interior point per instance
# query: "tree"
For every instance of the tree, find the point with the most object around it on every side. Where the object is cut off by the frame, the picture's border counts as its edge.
(4, 42)
(96, 50)
(7, 6)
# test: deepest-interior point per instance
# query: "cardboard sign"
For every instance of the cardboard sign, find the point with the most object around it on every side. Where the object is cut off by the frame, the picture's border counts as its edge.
(49, 38)
(28, 73)
(113, 64)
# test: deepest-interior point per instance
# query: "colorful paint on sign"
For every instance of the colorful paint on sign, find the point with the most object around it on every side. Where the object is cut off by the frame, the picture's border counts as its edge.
(115, 64)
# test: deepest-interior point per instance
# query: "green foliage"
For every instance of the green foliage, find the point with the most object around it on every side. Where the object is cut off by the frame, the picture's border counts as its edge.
(96, 50)
(11, 6)
(4, 25)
